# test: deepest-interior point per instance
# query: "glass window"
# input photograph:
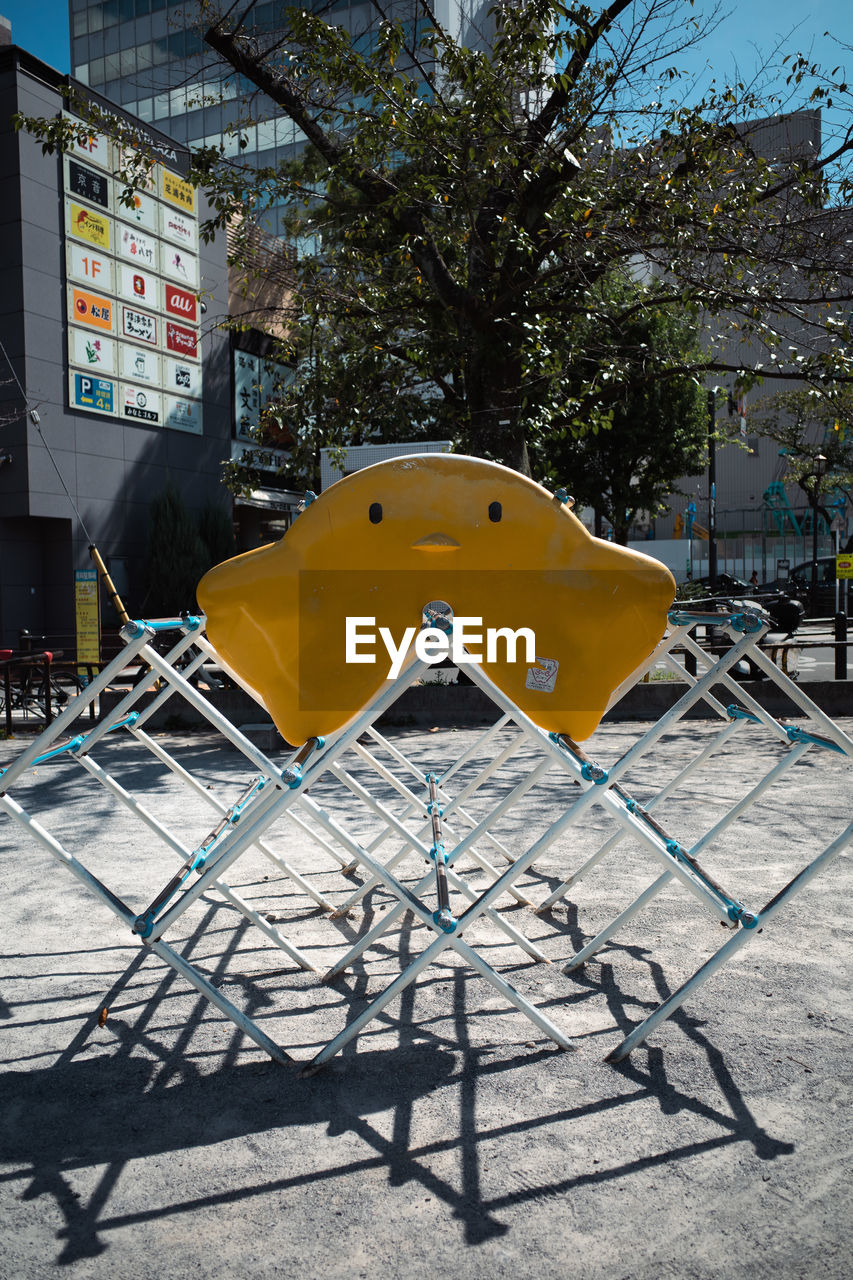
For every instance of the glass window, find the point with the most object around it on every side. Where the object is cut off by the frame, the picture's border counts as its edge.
(96, 71)
(82, 73)
(145, 110)
(161, 106)
(144, 56)
(79, 26)
(110, 8)
(96, 18)
(112, 66)
(127, 62)
(142, 7)
(125, 10)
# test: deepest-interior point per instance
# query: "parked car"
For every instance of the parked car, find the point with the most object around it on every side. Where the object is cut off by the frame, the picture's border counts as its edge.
(798, 585)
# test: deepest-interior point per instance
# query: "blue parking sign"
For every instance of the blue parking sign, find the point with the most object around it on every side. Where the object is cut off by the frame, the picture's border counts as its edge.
(93, 393)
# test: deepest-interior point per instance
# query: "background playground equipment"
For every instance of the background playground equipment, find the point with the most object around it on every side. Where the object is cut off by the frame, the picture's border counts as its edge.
(480, 848)
(389, 539)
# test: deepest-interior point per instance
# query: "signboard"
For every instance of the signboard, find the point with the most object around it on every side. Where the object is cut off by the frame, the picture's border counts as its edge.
(90, 185)
(843, 567)
(178, 228)
(181, 341)
(92, 309)
(95, 395)
(180, 266)
(132, 269)
(92, 351)
(182, 378)
(183, 415)
(89, 266)
(180, 302)
(140, 365)
(88, 617)
(137, 246)
(177, 192)
(142, 210)
(95, 148)
(87, 222)
(139, 286)
(138, 326)
(141, 404)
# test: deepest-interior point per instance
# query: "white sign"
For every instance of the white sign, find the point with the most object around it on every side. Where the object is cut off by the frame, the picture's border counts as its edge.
(140, 365)
(183, 378)
(91, 351)
(178, 228)
(94, 147)
(136, 246)
(183, 415)
(180, 266)
(139, 287)
(142, 211)
(141, 404)
(138, 325)
(86, 264)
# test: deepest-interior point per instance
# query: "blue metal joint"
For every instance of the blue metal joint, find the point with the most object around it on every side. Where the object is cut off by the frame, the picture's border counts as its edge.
(445, 921)
(593, 772)
(144, 925)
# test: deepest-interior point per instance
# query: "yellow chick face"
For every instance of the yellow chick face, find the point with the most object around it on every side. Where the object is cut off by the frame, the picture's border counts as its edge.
(298, 622)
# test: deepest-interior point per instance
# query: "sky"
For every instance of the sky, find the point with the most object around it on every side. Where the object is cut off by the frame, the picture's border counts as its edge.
(41, 27)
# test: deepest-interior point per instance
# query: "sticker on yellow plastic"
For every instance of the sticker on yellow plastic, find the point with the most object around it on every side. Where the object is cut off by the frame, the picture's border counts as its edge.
(315, 624)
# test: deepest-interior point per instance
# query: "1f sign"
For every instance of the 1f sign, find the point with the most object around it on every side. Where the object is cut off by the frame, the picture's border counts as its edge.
(88, 266)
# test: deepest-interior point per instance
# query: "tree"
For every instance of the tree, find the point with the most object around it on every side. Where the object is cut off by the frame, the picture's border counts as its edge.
(176, 557)
(465, 203)
(657, 432)
(815, 436)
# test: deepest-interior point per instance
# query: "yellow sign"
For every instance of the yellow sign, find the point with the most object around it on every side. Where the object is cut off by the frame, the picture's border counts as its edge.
(844, 566)
(88, 617)
(91, 309)
(87, 224)
(176, 191)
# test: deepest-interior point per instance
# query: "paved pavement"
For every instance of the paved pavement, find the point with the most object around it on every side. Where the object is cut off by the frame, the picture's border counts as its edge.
(451, 1137)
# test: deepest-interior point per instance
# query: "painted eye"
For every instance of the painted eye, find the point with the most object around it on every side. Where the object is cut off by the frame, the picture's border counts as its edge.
(375, 513)
(495, 512)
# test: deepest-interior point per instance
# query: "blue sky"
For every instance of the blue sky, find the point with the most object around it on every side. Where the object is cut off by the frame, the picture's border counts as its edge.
(42, 28)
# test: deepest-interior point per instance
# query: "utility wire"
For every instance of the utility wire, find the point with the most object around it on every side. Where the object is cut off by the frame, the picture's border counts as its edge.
(36, 421)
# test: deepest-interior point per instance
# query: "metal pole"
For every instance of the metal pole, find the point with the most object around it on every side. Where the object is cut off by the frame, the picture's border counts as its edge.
(841, 646)
(712, 493)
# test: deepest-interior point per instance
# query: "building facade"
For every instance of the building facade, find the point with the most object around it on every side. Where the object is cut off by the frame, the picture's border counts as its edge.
(114, 378)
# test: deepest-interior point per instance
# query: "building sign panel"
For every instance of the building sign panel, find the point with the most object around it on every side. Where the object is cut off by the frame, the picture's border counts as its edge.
(182, 341)
(86, 222)
(183, 378)
(94, 394)
(183, 415)
(91, 350)
(139, 326)
(134, 168)
(140, 364)
(89, 185)
(142, 210)
(138, 286)
(95, 148)
(89, 266)
(91, 309)
(140, 404)
(180, 302)
(178, 227)
(177, 192)
(180, 266)
(132, 271)
(137, 246)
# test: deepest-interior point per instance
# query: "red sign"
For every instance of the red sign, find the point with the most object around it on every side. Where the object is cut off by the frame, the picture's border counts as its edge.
(184, 342)
(180, 302)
